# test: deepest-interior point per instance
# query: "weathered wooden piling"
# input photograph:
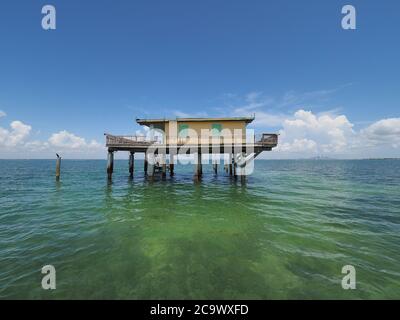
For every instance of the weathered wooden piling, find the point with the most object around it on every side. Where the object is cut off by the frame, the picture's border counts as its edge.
(131, 164)
(243, 176)
(110, 164)
(199, 168)
(171, 169)
(146, 164)
(58, 167)
(215, 167)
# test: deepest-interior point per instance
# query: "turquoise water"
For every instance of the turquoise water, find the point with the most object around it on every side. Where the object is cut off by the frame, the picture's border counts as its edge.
(286, 234)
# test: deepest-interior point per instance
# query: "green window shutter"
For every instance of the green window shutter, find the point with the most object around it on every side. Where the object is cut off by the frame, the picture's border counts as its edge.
(183, 130)
(216, 129)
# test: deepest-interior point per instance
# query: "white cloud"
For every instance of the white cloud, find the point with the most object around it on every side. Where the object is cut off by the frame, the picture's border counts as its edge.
(299, 145)
(2, 114)
(385, 131)
(17, 135)
(306, 134)
(67, 140)
(330, 132)
(16, 142)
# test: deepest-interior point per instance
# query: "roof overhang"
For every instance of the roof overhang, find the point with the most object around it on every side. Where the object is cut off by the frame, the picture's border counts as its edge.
(147, 122)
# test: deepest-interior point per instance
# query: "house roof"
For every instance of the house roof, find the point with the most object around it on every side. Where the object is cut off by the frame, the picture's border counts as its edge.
(154, 121)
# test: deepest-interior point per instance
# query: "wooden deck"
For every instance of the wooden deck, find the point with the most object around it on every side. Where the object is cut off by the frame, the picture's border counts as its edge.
(137, 144)
(240, 151)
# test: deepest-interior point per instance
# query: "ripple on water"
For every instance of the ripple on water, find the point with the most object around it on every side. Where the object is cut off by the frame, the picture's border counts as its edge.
(285, 234)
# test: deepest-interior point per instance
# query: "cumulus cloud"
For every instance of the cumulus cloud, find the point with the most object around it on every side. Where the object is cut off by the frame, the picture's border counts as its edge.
(67, 140)
(385, 131)
(16, 142)
(318, 133)
(299, 145)
(17, 134)
(2, 114)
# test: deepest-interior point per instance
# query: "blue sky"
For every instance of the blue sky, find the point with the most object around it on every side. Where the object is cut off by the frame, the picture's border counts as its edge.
(109, 62)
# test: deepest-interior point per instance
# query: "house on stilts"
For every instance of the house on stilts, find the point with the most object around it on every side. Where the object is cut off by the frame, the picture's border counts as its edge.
(168, 138)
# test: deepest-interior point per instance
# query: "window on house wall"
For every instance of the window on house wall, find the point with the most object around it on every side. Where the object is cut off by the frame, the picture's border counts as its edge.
(183, 130)
(216, 129)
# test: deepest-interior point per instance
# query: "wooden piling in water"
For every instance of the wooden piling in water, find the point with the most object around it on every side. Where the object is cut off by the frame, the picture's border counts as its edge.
(131, 164)
(58, 168)
(146, 164)
(243, 176)
(110, 164)
(230, 165)
(215, 167)
(199, 168)
(171, 169)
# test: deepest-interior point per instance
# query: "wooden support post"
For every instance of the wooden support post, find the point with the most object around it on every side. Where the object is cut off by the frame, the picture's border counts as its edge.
(146, 163)
(198, 165)
(201, 165)
(58, 168)
(131, 163)
(153, 170)
(230, 164)
(163, 162)
(110, 164)
(171, 169)
(243, 176)
(215, 167)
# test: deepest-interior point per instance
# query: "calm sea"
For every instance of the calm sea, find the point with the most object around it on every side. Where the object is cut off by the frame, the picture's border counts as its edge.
(286, 234)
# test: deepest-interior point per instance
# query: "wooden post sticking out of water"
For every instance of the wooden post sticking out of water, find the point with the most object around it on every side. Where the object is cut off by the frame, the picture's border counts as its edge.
(230, 164)
(171, 169)
(215, 167)
(110, 164)
(164, 168)
(198, 165)
(58, 167)
(131, 163)
(201, 165)
(243, 175)
(146, 164)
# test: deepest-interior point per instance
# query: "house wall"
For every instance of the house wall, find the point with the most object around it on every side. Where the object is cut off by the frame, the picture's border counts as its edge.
(195, 131)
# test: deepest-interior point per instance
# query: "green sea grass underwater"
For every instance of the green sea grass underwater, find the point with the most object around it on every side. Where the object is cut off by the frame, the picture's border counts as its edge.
(285, 234)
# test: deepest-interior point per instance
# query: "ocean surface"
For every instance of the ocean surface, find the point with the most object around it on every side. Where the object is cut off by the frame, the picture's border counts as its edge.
(284, 234)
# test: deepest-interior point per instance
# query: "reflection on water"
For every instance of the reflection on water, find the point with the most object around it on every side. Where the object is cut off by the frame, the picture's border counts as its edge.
(286, 233)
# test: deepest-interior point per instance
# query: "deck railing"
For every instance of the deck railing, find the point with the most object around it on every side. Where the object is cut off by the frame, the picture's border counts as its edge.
(131, 140)
(266, 139)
